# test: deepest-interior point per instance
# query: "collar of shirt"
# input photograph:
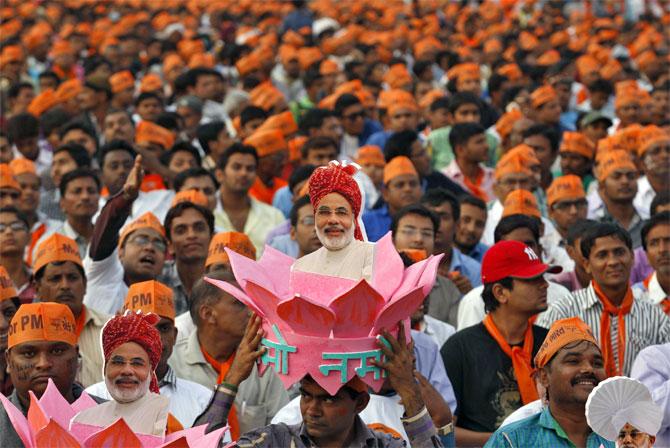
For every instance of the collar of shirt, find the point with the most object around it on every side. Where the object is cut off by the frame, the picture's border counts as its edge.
(193, 353)
(655, 291)
(170, 379)
(363, 436)
(478, 251)
(456, 260)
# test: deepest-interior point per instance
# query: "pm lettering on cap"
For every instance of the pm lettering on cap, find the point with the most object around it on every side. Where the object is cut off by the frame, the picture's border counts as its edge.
(141, 299)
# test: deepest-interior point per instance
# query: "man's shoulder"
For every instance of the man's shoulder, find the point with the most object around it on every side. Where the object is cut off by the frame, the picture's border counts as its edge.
(466, 335)
(99, 319)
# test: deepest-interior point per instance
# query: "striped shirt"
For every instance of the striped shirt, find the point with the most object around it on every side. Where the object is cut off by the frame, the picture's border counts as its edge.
(646, 324)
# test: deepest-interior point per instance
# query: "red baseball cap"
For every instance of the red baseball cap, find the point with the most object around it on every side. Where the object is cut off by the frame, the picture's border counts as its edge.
(513, 259)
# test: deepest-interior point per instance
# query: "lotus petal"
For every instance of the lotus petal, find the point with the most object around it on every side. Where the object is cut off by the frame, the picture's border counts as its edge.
(83, 402)
(116, 435)
(19, 422)
(427, 280)
(306, 317)
(387, 267)
(235, 292)
(191, 434)
(356, 311)
(398, 310)
(246, 269)
(55, 406)
(278, 267)
(320, 288)
(266, 301)
(37, 417)
(210, 439)
(54, 436)
(179, 442)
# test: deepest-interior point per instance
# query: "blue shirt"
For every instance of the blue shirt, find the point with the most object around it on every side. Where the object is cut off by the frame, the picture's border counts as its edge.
(377, 222)
(283, 200)
(429, 363)
(539, 431)
(379, 138)
(467, 266)
(477, 252)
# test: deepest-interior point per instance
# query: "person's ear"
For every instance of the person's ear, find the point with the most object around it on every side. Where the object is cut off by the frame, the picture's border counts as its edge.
(500, 293)
(587, 266)
(292, 233)
(218, 173)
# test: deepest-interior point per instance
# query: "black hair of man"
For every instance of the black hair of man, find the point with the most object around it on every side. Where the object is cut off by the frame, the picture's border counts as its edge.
(53, 120)
(252, 113)
(147, 95)
(79, 125)
(22, 126)
(399, 144)
(182, 146)
(317, 142)
(661, 199)
(236, 148)
(655, 220)
(458, 99)
(344, 101)
(439, 103)
(198, 171)
(462, 132)
(602, 230)
(414, 209)
(178, 209)
(496, 81)
(116, 145)
(204, 293)
(576, 230)
(438, 196)
(197, 72)
(78, 173)
(77, 152)
(313, 119)
(490, 302)
(301, 173)
(209, 132)
(50, 74)
(18, 213)
(545, 131)
(311, 76)
(15, 89)
(510, 223)
(602, 86)
(472, 200)
(297, 205)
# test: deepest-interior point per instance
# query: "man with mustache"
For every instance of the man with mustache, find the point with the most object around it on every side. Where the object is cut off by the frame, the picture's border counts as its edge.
(336, 199)
(570, 365)
(654, 153)
(499, 350)
(59, 277)
(36, 352)
(656, 242)
(623, 323)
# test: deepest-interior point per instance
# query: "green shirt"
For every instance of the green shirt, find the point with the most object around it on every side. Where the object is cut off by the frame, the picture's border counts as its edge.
(443, 154)
(539, 431)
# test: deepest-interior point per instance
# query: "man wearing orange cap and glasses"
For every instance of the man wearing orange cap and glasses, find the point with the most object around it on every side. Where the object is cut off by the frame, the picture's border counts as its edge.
(42, 345)
(570, 365)
(187, 399)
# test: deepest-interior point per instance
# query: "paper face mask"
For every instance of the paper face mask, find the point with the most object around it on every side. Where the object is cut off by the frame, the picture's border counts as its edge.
(326, 326)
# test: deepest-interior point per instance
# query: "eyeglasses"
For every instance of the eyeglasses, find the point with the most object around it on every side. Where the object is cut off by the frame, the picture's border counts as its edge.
(118, 361)
(10, 193)
(307, 221)
(564, 206)
(16, 226)
(354, 116)
(142, 241)
(411, 232)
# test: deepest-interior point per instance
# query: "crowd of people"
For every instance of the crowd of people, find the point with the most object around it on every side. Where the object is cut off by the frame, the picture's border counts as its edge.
(509, 160)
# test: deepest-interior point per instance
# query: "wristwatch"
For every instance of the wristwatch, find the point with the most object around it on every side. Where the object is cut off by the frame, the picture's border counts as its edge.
(446, 429)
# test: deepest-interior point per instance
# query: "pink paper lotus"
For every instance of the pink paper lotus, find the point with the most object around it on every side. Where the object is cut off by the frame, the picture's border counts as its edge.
(326, 326)
(48, 418)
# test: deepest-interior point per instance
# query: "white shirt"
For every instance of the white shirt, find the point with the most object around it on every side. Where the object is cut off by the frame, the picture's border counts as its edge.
(645, 194)
(105, 288)
(654, 292)
(525, 411)
(185, 326)
(471, 310)
(596, 204)
(439, 331)
(156, 201)
(555, 253)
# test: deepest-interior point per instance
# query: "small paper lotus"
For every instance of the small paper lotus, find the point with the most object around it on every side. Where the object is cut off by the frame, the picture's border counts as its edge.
(326, 326)
(51, 414)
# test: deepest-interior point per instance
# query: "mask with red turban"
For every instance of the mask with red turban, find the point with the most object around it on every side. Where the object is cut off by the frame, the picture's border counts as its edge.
(138, 328)
(338, 178)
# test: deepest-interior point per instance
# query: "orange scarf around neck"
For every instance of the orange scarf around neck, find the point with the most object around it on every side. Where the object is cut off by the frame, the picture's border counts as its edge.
(521, 359)
(665, 303)
(81, 321)
(613, 367)
(222, 368)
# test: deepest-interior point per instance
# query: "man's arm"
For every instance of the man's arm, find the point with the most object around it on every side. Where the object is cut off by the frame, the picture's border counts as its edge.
(112, 216)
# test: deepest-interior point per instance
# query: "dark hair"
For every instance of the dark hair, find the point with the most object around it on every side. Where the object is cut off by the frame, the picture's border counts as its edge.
(655, 220)
(421, 66)
(209, 132)
(576, 230)
(169, 120)
(317, 143)
(462, 132)
(297, 205)
(178, 209)
(77, 173)
(16, 88)
(204, 293)
(52, 120)
(496, 82)
(182, 177)
(438, 196)
(460, 98)
(116, 145)
(661, 198)
(490, 301)
(50, 74)
(399, 144)
(19, 214)
(78, 125)
(311, 76)
(252, 113)
(343, 101)
(197, 72)
(237, 148)
(301, 173)
(601, 85)
(473, 200)
(182, 146)
(40, 272)
(510, 223)
(602, 230)
(147, 95)
(77, 152)
(314, 118)
(545, 131)
(22, 126)
(440, 103)
(414, 209)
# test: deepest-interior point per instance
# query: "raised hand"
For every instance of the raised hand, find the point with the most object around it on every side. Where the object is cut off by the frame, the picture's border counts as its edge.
(132, 186)
(247, 353)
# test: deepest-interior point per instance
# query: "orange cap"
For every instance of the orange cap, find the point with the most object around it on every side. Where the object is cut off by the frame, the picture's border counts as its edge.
(528, 41)
(586, 65)
(397, 76)
(627, 96)
(429, 98)
(526, 152)
(611, 69)
(235, 241)
(561, 333)
(568, 186)
(148, 132)
(510, 164)
(150, 297)
(521, 202)
(121, 81)
(396, 106)
(287, 53)
(43, 102)
(398, 166)
(267, 142)
(202, 60)
(510, 71)
(47, 321)
(612, 161)
(57, 247)
(388, 97)
(248, 64)
(61, 47)
(22, 166)
(549, 57)
(7, 178)
(467, 70)
(265, 96)
(68, 90)
(11, 53)
(506, 122)
(370, 155)
(329, 67)
(194, 196)
(542, 95)
(7, 289)
(577, 143)
(172, 61)
(559, 38)
(308, 56)
(146, 221)
(150, 83)
(283, 122)
(651, 135)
